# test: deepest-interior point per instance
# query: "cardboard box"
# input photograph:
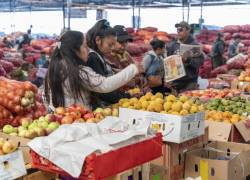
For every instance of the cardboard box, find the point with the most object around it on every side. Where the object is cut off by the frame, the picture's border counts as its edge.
(12, 165)
(176, 129)
(244, 130)
(225, 132)
(174, 155)
(219, 160)
(22, 145)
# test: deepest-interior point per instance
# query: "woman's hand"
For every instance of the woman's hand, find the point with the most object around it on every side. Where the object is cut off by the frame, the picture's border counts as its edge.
(140, 68)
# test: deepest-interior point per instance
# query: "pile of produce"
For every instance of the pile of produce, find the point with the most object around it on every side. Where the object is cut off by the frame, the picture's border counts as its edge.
(244, 76)
(242, 31)
(7, 146)
(212, 93)
(235, 105)
(166, 105)
(17, 100)
(78, 113)
(141, 40)
(31, 129)
(207, 37)
(226, 117)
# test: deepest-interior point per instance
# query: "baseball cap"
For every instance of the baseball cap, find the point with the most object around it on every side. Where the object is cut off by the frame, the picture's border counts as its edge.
(183, 24)
(122, 34)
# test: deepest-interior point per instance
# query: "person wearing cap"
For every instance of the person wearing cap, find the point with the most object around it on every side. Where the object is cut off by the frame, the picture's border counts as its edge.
(234, 46)
(119, 58)
(192, 62)
(218, 51)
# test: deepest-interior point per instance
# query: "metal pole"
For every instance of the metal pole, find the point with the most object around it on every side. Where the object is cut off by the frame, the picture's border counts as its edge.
(63, 9)
(69, 11)
(139, 18)
(183, 15)
(201, 18)
(133, 6)
(189, 4)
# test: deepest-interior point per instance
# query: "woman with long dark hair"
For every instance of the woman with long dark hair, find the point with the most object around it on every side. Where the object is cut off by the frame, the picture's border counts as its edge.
(69, 80)
(101, 39)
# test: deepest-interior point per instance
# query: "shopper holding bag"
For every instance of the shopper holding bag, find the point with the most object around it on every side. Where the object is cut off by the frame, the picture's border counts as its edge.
(70, 81)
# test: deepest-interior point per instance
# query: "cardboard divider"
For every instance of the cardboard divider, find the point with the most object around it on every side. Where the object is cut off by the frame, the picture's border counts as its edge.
(219, 160)
(226, 132)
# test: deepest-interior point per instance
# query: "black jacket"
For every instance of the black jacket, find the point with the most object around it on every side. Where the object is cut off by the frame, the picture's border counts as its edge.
(192, 65)
(100, 67)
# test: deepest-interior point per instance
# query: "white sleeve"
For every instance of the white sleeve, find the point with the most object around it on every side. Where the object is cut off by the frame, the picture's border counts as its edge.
(103, 84)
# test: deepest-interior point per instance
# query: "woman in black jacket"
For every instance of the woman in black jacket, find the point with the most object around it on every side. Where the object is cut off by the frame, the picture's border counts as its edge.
(101, 38)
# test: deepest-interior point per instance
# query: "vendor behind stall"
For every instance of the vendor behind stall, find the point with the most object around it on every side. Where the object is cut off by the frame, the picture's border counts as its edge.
(69, 80)
(191, 62)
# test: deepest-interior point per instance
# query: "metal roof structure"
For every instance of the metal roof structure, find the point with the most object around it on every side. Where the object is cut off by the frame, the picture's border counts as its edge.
(36, 5)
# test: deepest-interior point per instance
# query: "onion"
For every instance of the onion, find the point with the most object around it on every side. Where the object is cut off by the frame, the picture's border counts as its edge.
(20, 92)
(16, 99)
(5, 102)
(5, 113)
(10, 95)
(27, 85)
(18, 109)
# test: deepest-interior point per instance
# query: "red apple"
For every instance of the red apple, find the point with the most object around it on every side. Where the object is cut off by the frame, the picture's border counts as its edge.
(88, 116)
(71, 108)
(67, 120)
(76, 115)
(60, 110)
(58, 118)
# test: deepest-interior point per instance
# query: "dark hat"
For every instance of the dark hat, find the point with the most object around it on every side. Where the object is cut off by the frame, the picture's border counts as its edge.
(183, 24)
(122, 34)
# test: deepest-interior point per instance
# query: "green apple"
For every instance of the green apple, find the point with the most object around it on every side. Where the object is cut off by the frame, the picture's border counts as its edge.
(42, 118)
(21, 128)
(22, 133)
(99, 110)
(43, 124)
(32, 126)
(35, 121)
(8, 129)
(25, 122)
(53, 125)
(40, 131)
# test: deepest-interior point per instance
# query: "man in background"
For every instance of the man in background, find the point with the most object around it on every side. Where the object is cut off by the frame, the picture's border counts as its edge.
(192, 62)
(233, 48)
(218, 51)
